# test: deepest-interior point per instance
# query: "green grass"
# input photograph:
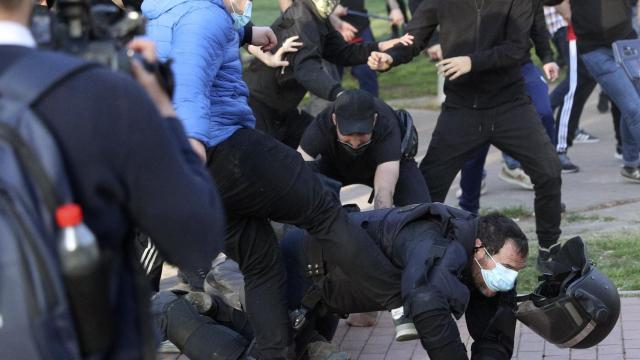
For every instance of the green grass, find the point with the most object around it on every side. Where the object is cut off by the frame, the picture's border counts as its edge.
(615, 254)
(415, 79)
(578, 217)
(514, 212)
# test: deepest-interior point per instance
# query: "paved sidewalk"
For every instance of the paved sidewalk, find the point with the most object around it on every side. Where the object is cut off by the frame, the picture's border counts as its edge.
(376, 343)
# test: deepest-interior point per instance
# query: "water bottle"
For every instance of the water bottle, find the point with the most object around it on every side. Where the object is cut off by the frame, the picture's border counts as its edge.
(85, 277)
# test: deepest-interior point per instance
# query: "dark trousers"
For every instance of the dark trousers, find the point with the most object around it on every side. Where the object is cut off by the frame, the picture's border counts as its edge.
(410, 188)
(287, 127)
(515, 129)
(367, 78)
(471, 177)
(260, 179)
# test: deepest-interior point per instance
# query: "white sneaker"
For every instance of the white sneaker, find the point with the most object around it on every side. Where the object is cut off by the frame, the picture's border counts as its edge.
(516, 176)
(483, 189)
(405, 328)
(167, 347)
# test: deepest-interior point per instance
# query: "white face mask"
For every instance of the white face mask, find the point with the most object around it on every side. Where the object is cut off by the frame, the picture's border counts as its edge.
(239, 21)
(500, 278)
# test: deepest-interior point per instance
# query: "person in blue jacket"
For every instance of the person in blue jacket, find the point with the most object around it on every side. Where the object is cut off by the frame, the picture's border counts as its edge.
(259, 178)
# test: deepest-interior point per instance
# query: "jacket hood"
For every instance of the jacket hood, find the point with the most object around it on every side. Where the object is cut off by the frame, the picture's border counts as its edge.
(152, 9)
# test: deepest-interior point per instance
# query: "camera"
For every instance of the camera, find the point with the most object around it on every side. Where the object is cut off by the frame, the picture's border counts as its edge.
(97, 31)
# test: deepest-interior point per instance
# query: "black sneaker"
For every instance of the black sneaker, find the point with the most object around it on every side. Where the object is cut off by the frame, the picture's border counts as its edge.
(566, 164)
(603, 103)
(631, 173)
(405, 329)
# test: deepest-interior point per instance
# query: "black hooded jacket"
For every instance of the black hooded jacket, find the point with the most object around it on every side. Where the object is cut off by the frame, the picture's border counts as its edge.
(493, 33)
(284, 88)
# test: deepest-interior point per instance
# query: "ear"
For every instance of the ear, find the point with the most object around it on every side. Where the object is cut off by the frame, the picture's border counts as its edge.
(478, 243)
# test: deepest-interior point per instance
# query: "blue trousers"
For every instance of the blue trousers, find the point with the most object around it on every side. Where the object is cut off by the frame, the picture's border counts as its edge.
(471, 177)
(367, 78)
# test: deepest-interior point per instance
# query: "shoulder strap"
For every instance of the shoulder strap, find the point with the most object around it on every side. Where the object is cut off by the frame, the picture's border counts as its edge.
(33, 75)
(26, 81)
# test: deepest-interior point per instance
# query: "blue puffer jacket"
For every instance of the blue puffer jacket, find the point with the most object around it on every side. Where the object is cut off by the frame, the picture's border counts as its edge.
(210, 95)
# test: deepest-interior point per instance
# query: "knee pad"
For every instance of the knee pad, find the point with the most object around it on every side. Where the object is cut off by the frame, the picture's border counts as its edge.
(199, 337)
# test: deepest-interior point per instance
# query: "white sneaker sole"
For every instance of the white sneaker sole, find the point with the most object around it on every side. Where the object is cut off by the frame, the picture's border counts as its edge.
(406, 332)
(513, 181)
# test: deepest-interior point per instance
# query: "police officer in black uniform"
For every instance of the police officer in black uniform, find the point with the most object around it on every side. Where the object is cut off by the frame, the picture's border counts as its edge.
(453, 262)
(362, 140)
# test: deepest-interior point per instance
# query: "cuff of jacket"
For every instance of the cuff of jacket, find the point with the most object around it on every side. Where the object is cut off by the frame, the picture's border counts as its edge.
(547, 59)
(248, 34)
(478, 63)
(333, 94)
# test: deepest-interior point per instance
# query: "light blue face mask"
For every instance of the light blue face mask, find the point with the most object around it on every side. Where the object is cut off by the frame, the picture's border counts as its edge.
(239, 21)
(500, 278)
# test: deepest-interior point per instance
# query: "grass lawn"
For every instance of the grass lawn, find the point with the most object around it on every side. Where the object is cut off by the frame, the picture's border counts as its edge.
(415, 79)
(615, 254)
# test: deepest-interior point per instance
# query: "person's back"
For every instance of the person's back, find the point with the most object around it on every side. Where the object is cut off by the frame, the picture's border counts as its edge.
(210, 98)
(128, 167)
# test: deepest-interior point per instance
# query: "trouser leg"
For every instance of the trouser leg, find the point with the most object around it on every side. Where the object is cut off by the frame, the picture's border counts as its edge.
(615, 115)
(411, 187)
(471, 180)
(620, 89)
(459, 133)
(367, 78)
(252, 243)
(517, 131)
(262, 178)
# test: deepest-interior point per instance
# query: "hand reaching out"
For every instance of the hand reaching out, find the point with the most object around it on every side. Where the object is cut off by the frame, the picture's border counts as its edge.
(277, 59)
(406, 39)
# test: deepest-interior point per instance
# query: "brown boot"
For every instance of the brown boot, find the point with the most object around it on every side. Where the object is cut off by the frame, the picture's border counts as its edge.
(367, 319)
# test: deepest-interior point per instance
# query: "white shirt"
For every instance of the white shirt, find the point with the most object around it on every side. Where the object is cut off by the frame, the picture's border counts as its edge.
(13, 33)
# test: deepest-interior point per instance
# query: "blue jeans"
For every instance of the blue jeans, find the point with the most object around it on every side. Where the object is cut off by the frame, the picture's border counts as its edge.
(471, 177)
(624, 93)
(367, 78)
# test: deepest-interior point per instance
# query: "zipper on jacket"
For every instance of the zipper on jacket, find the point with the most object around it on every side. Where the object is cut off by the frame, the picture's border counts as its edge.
(478, 21)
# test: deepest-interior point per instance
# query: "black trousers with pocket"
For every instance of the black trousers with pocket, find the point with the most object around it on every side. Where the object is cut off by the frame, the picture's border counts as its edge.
(261, 179)
(513, 128)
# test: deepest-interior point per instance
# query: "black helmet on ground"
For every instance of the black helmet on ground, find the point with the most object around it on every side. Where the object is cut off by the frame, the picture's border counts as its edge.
(576, 306)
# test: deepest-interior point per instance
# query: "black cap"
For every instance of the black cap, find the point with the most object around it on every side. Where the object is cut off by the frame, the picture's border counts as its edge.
(355, 111)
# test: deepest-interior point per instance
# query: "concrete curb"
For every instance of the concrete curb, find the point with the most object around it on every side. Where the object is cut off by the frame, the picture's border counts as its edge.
(629, 293)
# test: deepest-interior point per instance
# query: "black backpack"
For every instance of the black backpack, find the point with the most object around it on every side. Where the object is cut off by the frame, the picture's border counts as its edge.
(35, 317)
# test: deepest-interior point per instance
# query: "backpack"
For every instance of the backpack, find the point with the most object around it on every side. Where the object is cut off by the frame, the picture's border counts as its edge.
(408, 134)
(35, 317)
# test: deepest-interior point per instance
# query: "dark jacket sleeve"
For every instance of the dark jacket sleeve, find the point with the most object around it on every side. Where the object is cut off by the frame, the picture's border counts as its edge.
(342, 53)
(514, 48)
(170, 195)
(432, 296)
(552, 2)
(540, 34)
(307, 62)
(439, 335)
(422, 26)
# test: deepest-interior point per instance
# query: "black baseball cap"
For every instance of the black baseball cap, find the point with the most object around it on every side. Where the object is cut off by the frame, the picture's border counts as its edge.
(355, 111)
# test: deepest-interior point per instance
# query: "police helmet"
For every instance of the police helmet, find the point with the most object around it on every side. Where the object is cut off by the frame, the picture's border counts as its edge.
(576, 306)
